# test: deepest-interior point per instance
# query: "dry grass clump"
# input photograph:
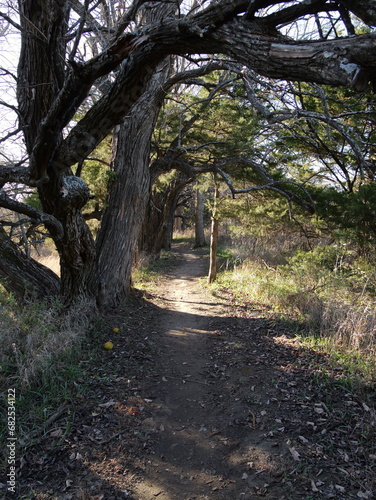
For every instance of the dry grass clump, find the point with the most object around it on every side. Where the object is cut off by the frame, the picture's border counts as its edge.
(335, 305)
(35, 332)
(351, 327)
(187, 234)
(49, 257)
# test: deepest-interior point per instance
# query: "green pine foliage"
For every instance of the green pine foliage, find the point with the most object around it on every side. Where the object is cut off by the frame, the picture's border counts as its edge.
(351, 216)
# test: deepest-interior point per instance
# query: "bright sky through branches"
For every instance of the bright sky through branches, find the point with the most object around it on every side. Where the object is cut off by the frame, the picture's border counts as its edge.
(9, 55)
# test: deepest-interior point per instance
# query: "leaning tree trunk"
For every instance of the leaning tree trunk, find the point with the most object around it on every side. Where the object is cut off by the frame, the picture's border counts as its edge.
(22, 276)
(130, 190)
(121, 222)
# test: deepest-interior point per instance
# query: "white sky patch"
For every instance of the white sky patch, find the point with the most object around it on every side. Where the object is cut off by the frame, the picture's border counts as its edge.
(9, 56)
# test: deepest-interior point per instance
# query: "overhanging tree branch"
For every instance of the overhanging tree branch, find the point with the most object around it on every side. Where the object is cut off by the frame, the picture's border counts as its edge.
(52, 224)
(271, 184)
(268, 55)
(353, 139)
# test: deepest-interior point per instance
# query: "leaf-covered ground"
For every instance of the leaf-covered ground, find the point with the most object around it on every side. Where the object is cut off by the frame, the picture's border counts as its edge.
(205, 399)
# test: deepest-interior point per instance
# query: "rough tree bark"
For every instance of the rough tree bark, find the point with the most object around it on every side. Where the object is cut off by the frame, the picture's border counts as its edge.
(122, 220)
(64, 196)
(128, 195)
(22, 276)
(41, 77)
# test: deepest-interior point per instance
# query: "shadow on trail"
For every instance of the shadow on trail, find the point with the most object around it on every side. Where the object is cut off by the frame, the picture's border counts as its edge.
(204, 405)
(219, 428)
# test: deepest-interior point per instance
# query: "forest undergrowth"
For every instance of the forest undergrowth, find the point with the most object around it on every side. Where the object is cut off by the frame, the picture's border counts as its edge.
(45, 351)
(325, 295)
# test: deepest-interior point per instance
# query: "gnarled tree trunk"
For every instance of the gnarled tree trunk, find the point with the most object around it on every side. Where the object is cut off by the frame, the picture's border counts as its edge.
(122, 220)
(41, 77)
(63, 197)
(130, 190)
(22, 276)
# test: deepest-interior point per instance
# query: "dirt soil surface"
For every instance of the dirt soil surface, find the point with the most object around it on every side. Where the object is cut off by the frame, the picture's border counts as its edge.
(203, 398)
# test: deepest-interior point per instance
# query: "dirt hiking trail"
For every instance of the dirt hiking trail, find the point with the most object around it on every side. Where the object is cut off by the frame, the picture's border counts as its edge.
(198, 452)
(202, 398)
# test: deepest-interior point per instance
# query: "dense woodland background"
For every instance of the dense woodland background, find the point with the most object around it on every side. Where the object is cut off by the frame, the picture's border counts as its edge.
(248, 124)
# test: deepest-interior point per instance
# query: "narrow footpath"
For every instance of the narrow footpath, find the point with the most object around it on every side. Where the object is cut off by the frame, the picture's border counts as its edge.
(205, 438)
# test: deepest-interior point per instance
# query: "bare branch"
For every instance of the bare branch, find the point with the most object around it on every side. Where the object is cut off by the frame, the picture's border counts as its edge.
(271, 184)
(9, 135)
(364, 9)
(85, 16)
(10, 21)
(128, 17)
(190, 74)
(255, 5)
(10, 106)
(297, 11)
(350, 135)
(16, 174)
(80, 30)
(9, 73)
(48, 220)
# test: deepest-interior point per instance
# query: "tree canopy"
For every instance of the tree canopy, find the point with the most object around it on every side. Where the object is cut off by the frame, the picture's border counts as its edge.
(88, 68)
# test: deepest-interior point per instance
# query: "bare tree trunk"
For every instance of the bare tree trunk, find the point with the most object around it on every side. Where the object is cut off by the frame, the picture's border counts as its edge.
(152, 225)
(130, 190)
(214, 238)
(122, 220)
(179, 219)
(165, 237)
(64, 197)
(158, 225)
(199, 220)
(128, 197)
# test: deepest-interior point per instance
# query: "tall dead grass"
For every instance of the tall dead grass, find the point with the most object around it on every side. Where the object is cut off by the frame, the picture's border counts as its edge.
(48, 257)
(326, 306)
(350, 327)
(33, 334)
